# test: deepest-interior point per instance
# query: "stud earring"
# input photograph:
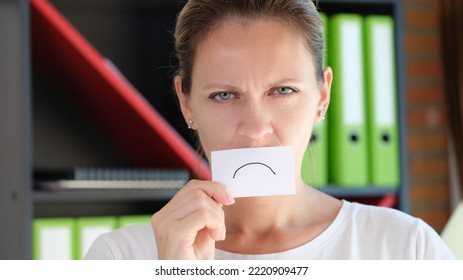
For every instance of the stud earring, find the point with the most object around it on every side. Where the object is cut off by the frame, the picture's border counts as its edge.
(322, 114)
(190, 122)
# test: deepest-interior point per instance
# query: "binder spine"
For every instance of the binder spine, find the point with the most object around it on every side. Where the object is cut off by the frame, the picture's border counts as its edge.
(381, 93)
(348, 137)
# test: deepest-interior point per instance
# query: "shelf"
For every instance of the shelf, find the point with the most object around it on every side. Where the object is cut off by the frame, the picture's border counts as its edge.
(77, 196)
(117, 107)
(69, 203)
(358, 192)
(165, 194)
(129, 120)
(87, 203)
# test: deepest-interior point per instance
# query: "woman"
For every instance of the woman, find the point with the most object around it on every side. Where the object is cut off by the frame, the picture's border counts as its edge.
(251, 76)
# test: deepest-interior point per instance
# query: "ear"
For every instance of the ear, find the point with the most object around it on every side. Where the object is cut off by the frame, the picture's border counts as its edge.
(325, 92)
(182, 99)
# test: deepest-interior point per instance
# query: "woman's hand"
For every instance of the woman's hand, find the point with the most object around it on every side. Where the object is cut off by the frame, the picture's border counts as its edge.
(188, 226)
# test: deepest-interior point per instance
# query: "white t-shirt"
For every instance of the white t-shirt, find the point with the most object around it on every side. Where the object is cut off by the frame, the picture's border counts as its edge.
(358, 232)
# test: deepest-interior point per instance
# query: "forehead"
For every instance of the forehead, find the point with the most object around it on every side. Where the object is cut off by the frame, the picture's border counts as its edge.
(238, 47)
(234, 29)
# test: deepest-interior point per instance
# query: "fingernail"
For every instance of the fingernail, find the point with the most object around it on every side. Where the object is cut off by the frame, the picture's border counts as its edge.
(230, 198)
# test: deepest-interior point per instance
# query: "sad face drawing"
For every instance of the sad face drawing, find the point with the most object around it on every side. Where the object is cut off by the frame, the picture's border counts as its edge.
(255, 171)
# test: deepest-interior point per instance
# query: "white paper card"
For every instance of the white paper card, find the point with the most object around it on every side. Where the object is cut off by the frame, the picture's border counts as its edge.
(255, 171)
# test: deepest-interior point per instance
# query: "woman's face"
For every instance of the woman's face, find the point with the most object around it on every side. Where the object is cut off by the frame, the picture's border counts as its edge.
(254, 85)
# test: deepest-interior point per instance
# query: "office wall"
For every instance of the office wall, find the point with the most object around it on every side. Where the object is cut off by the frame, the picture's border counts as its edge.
(427, 113)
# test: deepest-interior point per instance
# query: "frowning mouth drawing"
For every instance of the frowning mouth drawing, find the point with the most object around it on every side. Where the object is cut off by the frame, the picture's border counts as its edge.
(252, 163)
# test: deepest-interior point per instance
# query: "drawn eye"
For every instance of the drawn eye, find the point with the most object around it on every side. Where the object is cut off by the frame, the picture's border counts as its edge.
(222, 96)
(284, 91)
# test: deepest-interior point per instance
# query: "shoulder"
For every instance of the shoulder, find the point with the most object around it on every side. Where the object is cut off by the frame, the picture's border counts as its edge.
(385, 221)
(399, 231)
(132, 242)
(381, 215)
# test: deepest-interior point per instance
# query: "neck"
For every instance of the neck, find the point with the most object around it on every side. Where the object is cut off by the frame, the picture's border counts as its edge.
(272, 224)
(267, 214)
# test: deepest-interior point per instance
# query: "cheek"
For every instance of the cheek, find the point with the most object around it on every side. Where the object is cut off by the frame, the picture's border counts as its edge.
(215, 130)
(297, 121)
(295, 130)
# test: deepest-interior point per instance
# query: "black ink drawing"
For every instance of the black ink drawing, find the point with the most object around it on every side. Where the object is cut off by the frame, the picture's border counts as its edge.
(251, 164)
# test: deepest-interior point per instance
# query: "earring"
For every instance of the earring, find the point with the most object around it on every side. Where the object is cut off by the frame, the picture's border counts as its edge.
(190, 122)
(322, 114)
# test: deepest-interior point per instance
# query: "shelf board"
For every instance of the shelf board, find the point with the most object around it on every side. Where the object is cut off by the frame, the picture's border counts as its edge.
(167, 194)
(103, 195)
(87, 203)
(366, 191)
(70, 203)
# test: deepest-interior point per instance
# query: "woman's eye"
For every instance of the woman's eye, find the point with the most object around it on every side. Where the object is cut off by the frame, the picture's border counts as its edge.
(222, 96)
(284, 91)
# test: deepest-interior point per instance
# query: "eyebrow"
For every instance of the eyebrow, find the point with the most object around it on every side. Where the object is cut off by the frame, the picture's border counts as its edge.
(234, 88)
(220, 86)
(284, 81)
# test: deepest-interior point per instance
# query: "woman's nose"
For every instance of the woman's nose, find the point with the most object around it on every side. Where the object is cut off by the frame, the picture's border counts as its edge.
(255, 122)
